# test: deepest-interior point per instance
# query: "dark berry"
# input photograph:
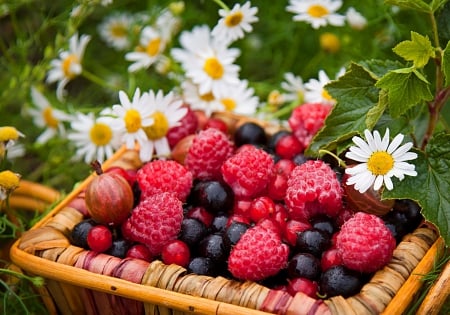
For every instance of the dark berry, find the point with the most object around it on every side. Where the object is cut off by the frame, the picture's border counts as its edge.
(299, 159)
(136, 193)
(250, 133)
(339, 280)
(99, 238)
(304, 265)
(176, 252)
(313, 241)
(80, 232)
(192, 231)
(323, 223)
(202, 266)
(212, 246)
(397, 223)
(233, 233)
(219, 223)
(119, 248)
(273, 139)
(214, 196)
(412, 212)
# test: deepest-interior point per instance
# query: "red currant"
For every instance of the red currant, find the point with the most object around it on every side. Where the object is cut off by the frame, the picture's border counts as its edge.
(216, 123)
(99, 238)
(330, 258)
(288, 147)
(201, 214)
(293, 227)
(139, 251)
(176, 252)
(304, 285)
(261, 208)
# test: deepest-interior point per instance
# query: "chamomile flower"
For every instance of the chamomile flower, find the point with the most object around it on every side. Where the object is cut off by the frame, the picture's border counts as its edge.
(168, 24)
(205, 102)
(114, 30)
(294, 87)
(130, 118)
(168, 112)
(315, 91)
(46, 116)
(240, 99)
(318, 13)
(379, 161)
(8, 182)
(355, 19)
(93, 137)
(151, 47)
(235, 22)
(68, 66)
(8, 137)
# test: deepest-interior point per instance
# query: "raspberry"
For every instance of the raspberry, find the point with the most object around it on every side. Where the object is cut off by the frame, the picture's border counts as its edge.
(365, 243)
(313, 188)
(249, 171)
(258, 254)
(188, 126)
(306, 120)
(164, 176)
(156, 221)
(209, 150)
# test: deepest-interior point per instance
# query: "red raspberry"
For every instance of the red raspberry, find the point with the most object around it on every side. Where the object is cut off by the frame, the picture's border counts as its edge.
(164, 175)
(306, 120)
(365, 243)
(249, 171)
(258, 254)
(313, 188)
(156, 221)
(188, 126)
(209, 150)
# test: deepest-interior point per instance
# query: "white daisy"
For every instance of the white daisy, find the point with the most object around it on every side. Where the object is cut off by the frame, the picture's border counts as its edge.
(355, 19)
(379, 161)
(45, 116)
(168, 112)
(205, 102)
(315, 91)
(151, 46)
(93, 137)
(294, 86)
(235, 22)
(8, 137)
(68, 65)
(168, 24)
(114, 30)
(240, 99)
(130, 118)
(317, 12)
(194, 41)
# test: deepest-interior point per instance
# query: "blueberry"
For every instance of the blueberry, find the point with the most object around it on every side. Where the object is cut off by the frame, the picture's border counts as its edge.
(202, 266)
(219, 223)
(412, 212)
(233, 233)
(299, 159)
(212, 246)
(192, 231)
(212, 195)
(313, 241)
(80, 232)
(119, 248)
(397, 223)
(250, 133)
(304, 265)
(339, 280)
(323, 223)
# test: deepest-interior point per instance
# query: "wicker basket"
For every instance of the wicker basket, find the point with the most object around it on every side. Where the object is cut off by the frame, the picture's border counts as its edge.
(85, 282)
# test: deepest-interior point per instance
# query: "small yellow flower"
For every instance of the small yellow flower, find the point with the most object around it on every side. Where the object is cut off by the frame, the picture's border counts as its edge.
(330, 43)
(8, 182)
(8, 133)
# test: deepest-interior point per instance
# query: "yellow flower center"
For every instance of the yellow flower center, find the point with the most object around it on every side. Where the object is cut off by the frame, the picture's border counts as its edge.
(213, 68)
(317, 11)
(234, 19)
(67, 64)
(208, 97)
(330, 42)
(153, 47)
(133, 120)
(159, 128)
(229, 104)
(118, 30)
(326, 95)
(9, 180)
(101, 134)
(8, 133)
(49, 119)
(380, 163)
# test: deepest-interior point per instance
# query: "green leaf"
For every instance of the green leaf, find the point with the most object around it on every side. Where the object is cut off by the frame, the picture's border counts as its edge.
(418, 50)
(406, 88)
(374, 114)
(378, 67)
(356, 94)
(417, 5)
(430, 188)
(437, 4)
(446, 64)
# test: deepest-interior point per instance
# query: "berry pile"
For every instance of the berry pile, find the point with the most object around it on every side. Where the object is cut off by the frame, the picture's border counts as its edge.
(251, 206)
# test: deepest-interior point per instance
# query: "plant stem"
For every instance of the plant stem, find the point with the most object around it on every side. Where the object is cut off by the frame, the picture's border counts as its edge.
(222, 5)
(97, 80)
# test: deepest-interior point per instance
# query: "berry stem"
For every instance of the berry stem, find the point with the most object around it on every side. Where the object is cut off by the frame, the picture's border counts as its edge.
(97, 167)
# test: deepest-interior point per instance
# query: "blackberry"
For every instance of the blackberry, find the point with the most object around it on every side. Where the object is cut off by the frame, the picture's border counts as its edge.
(339, 280)
(80, 232)
(214, 196)
(313, 241)
(192, 231)
(250, 133)
(304, 265)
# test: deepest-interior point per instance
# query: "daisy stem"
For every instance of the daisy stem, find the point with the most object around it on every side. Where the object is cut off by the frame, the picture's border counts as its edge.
(97, 80)
(338, 159)
(222, 5)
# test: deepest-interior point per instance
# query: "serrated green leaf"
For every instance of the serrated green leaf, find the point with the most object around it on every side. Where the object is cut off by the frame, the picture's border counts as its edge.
(417, 5)
(378, 67)
(405, 89)
(437, 4)
(446, 64)
(356, 94)
(430, 188)
(418, 50)
(374, 114)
